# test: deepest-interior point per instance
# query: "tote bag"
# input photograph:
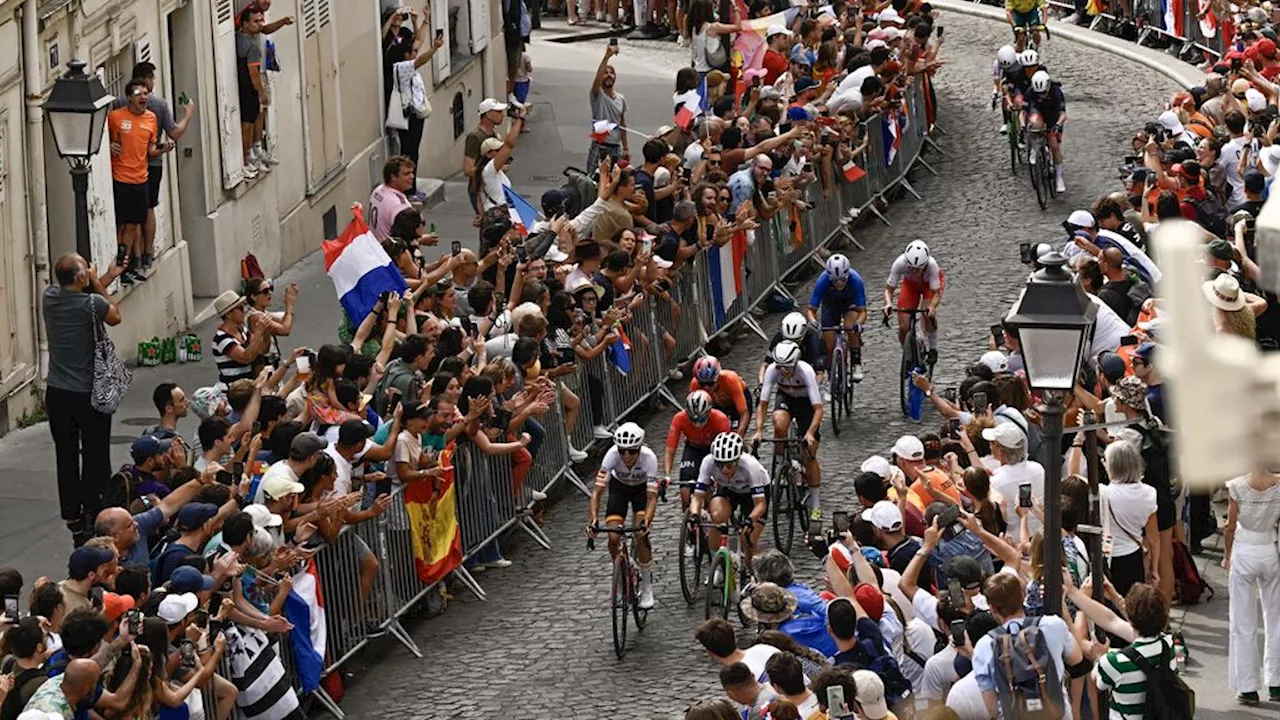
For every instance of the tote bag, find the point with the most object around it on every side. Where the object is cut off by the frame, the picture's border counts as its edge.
(111, 378)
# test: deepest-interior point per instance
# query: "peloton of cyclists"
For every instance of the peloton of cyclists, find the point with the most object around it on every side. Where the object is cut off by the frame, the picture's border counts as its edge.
(630, 472)
(799, 397)
(921, 281)
(736, 481)
(842, 298)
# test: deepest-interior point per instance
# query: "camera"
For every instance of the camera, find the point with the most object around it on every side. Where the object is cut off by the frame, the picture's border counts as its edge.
(820, 540)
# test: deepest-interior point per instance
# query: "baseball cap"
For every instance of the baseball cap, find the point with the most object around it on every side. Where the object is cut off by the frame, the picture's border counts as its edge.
(263, 518)
(1137, 175)
(964, 569)
(870, 694)
(554, 201)
(1254, 181)
(777, 29)
(354, 432)
(113, 605)
(875, 43)
(769, 92)
(884, 515)
(1081, 218)
(909, 447)
(305, 445)
(871, 600)
(1221, 249)
(489, 105)
(1006, 434)
(186, 579)
(194, 514)
(1255, 100)
(277, 486)
(889, 16)
(1240, 86)
(86, 559)
(147, 447)
(1111, 366)
(555, 255)
(491, 145)
(1266, 47)
(1189, 169)
(878, 465)
(995, 360)
(1169, 121)
(175, 607)
(802, 84)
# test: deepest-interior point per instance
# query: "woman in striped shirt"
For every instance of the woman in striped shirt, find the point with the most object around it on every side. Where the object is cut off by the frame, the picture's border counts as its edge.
(1117, 673)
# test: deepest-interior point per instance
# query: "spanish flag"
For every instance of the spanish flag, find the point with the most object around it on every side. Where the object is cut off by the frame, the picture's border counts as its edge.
(433, 519)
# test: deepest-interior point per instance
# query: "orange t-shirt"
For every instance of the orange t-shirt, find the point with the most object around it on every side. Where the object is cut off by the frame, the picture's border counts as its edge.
(135, 134)
(931, 483)
(699, 437)
(729, 391)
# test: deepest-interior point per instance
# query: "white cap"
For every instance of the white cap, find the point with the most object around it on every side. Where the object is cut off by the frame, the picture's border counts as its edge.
(1270, 158)
(909, 447)
(263, 518)
(873, 44)
(173, 608)
(1256, 100)
(889, 15)
(870, 694)
(878, 465)
(555, 255)
(995, 360)
(489, 105)
(661, 176)
(693, 154)
(884, 515)
(894, 33)
(1082, 218)
(777, 29)
(1169, 121)
(1006, 434)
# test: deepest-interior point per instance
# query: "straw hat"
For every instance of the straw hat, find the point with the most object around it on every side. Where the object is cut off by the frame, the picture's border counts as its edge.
(1223, 292)
(226, 302)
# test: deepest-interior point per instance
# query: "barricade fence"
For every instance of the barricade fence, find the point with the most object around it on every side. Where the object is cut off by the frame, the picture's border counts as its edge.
(369, 574)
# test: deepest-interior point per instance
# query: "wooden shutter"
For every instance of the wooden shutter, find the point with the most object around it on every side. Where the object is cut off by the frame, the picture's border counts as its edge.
(226, 79)
(331, 118)
(479, 25)
(440, 21)
(320, 118)
(101, 197)
(9, 351)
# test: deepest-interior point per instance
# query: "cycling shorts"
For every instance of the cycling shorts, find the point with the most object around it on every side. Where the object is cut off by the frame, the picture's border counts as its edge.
(913, 289)
(800, 409)
(622, 496)
(1026, 19)
(732, 412)
(833, 314)
(740, 504)
(691, 461)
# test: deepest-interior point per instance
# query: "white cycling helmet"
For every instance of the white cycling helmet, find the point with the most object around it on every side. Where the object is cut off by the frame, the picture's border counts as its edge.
(1040, 82)
(727, 447)
(916, 254)
(786, 354)
(628, 436)
(793, 326)
(1028, 58)
(838, 267)
(698, 405)
(1007, 56)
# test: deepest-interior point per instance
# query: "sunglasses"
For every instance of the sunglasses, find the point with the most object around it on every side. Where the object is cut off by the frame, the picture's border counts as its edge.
(726, 465)
(265, 291)
(632, 451)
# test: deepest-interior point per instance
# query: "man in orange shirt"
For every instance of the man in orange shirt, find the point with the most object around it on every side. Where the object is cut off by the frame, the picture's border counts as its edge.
(929, 484)
(134, 131)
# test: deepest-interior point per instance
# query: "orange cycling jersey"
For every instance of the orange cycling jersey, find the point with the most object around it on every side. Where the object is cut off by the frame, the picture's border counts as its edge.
(929, 486)
(699, 437)
(729, 391)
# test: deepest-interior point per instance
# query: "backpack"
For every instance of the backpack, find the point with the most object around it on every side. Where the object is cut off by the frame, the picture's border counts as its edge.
(1210, 214)
(19, 694)
(1139, 293)
(1027, 682)
(1168, 697)
(896, 685)
(402, 377)
(121, 488)
(1188, 585)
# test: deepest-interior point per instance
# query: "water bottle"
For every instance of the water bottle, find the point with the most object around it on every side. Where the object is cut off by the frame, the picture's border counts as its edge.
(915, 402)
(1179, 655)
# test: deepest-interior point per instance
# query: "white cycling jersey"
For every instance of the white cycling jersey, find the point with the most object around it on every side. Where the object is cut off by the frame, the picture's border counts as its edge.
(749, 477)
(802, 383)
(644, 472)
(901, 271)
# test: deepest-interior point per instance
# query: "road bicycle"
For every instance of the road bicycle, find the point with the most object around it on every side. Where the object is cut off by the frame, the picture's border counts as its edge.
(1014, 134)
(694, 556)
(1019, 31)
(788, 488)
(840, 376)
(624, 593)
(727, 572)
(915, 358)
(1040, 163)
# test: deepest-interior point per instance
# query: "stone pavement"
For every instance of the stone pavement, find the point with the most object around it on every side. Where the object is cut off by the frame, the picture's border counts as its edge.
(541, 647)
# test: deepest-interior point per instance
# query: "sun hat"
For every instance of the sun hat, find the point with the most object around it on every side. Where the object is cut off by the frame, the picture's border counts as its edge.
(1131, 391)
(768, 603)
(1223, 292)
(226, 302)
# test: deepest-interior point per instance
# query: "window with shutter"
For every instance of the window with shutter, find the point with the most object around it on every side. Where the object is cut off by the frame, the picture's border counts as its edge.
(9, 348)
(321, 122)
(479, 25)
(228, 92)
(440, 21)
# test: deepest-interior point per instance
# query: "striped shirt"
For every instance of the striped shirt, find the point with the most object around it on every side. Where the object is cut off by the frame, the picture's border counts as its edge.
(228, 369)
(1117, 673)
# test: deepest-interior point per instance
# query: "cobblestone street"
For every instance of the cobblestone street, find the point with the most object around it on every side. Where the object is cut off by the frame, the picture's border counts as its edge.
(540, 647)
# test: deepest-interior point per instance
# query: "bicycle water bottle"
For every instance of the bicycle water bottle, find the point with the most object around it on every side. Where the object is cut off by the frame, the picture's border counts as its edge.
(915, 402)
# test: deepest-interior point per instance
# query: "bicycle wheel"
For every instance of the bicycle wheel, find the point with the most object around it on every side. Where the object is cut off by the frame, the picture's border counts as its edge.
(640, 614)
(1037, 178)
(690, 564)
(782, 498)
(715, 602)
(1048, 178)
(848, 390)
(619, 600)
(909, 363)
(836, 380)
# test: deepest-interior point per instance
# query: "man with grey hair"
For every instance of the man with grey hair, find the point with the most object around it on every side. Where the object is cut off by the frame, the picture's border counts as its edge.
(808, 624)
(1009, 447)
(746, 182)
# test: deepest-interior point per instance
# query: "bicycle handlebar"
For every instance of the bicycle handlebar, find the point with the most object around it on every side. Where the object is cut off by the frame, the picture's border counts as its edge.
(622, 530)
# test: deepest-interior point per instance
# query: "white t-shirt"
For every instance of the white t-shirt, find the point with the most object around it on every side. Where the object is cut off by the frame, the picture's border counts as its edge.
(966, 699)
(1229, 161)
(1108, 328)
(342, 484)
(922, 641)
(756, 656)
(939, 675)
(492, 180)
(1006, 481)
(1127, 505)
(408, 451)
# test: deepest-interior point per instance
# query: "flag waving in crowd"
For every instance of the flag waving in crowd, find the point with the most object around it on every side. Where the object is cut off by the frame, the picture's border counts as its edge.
(360, 268)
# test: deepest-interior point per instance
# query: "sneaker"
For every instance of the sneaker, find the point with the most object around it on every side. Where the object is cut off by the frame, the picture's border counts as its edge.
(1060, 186)
(136, 275)
(538, 496)
(675, 374)
(146, 261)
(601, 432)
(682, 42)
(1249, 698)
(857, 372)
(249, 171)
(126, 278)
(476, 569)
(646, 596)
(815, 516)
(498, 564)
(1004, 129)
(576, 456)
(261, 165)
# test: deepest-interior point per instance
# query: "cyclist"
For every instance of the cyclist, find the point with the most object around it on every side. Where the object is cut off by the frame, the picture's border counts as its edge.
(729, 393)
(1004, 74)
(843, 299)
(1023, 16)
(699, 423)
(738, 482)
(797, 328)
(921, 279)
(1019, 79)
(630, 471)
(1047, 107)
(799, 399)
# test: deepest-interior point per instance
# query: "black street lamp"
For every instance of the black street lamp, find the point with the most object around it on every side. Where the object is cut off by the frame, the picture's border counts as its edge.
(1054, 319)
(77, 114)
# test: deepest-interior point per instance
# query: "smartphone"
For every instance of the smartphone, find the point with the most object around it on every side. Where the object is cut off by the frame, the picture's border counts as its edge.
(997, 334)
(949, 521)
(613, 41)
(1024, 254)
(11, 608)
(456, 247)
(784, 128)
(939, 28)
(183, 99)
(224, 477)
(1128, 340)
(978, 401)
(807, 168)
(439, 36)
(957, 633)
(840, 521)
(188, 652)
(1024, 495)
(1235, 64)
(521, 255)
(215, 629)
(957, 592)
(835, 700)
(202, 618)
(133, 622)
(953, 427)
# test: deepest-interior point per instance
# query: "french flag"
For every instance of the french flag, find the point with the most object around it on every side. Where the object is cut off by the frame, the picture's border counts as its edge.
(892, 138)
(620, 352)
(523, 215)
(724, 268)
(304, 608)
(360, 269)
(688, 107)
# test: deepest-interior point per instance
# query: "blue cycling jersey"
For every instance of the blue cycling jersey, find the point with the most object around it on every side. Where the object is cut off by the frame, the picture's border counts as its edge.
(827, 295)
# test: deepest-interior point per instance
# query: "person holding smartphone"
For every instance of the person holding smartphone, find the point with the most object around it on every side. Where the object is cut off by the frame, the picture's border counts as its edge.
(404, 32)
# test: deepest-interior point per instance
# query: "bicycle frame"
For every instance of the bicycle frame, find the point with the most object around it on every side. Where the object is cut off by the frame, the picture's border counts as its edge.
(788, 486)
(625, 578)
(839, 367)
(914, 353)
(723, 558)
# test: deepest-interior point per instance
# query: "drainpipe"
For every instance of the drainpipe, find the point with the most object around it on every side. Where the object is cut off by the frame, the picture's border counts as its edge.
(38, 234)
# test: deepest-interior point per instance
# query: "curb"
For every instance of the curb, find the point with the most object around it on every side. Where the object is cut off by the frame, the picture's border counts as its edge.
(1186, 75)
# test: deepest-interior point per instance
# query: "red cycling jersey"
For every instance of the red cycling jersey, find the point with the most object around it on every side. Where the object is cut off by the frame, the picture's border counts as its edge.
(699, 437)
(728, 392)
